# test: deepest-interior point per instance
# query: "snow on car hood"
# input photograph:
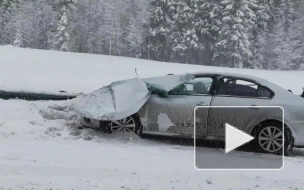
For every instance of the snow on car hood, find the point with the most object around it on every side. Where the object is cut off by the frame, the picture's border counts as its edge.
(113, 102)
(123, 98)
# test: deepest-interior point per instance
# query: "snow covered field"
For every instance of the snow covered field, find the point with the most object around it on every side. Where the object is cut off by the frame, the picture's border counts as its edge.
(42, 147)
(37, 70)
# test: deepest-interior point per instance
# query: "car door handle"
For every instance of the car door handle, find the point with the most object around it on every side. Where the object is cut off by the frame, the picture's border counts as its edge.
(201, 104)
(254, 107)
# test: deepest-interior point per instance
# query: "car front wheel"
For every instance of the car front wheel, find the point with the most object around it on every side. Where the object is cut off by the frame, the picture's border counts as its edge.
(129, 124)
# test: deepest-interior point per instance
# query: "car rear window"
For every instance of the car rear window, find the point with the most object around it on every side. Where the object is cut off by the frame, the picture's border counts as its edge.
(264, 92)
(242, 88)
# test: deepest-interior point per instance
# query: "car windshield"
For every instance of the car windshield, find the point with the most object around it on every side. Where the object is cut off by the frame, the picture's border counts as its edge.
(192, 87)
(162, 85)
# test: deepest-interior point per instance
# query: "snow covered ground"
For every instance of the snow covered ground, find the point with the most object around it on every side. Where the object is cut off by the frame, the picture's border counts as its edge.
(37, 70)
(42, 147)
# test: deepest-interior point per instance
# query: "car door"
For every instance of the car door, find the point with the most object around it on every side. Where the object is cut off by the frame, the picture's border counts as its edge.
(174, 115)
(232, 93)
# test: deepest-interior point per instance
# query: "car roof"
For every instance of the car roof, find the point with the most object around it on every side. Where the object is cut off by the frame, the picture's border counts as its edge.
(279, 91)
(257, 79)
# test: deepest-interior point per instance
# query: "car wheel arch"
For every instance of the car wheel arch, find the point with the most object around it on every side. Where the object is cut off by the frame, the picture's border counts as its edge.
(264, 122)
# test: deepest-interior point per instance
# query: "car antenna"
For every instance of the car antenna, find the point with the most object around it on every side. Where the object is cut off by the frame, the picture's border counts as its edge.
(136, 73)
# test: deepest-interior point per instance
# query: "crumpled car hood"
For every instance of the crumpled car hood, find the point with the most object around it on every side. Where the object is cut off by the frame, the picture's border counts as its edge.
(113, 102)
(123, 98)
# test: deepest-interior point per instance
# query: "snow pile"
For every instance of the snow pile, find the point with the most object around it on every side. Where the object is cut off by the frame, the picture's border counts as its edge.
(44, 119)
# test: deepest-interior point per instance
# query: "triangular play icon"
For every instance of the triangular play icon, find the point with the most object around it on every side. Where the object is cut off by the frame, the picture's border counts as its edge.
(235, 138)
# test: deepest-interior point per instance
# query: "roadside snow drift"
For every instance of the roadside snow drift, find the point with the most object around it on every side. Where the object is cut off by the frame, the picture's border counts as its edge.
(52, 71)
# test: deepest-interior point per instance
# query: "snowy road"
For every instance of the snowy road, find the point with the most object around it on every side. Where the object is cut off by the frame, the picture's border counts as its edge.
(64, 164)
(42, 149)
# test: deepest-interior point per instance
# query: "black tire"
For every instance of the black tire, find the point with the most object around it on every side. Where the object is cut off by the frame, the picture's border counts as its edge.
(137, 129)
(270, 145)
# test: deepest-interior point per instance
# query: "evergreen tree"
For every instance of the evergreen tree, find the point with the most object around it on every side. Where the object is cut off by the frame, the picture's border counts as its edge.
(184, 36)
(296, 37)
(286, 14)
(134, 38)
(207, 25)
(61, 38)
(236, 33)
(31, 25)
(162, 26)
(112, 30)
(234, 46)
(7, 9)
(133, 22)
(84, 27)
(282, 33)
(259, 35)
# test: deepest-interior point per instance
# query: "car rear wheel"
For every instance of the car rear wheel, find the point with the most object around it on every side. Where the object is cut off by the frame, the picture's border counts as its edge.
(269, 138)
(129, 124)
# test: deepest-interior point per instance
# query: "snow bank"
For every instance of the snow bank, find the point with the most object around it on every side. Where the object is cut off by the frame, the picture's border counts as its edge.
(52, 71)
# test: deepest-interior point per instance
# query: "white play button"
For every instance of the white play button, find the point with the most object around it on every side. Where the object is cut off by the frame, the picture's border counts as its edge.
(235, 138)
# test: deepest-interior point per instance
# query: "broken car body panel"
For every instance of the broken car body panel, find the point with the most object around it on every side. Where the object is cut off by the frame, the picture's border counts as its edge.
(123, 98)
(113, 102)
(181, 121)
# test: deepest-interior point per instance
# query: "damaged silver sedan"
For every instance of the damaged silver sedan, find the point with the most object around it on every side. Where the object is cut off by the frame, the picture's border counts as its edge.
(165, 106)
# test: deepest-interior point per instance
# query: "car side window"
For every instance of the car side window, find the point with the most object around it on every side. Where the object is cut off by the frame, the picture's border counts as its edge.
(196, 86)
(264, 92)
(237, 87)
